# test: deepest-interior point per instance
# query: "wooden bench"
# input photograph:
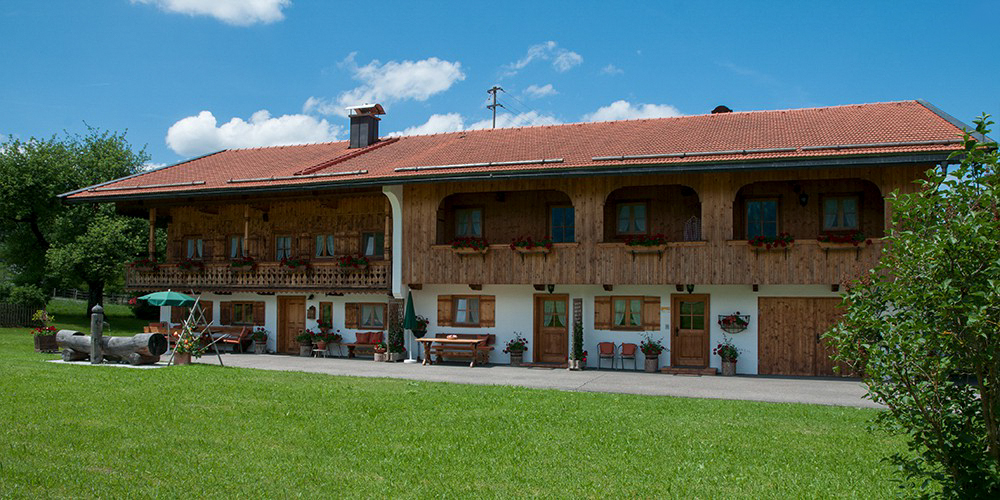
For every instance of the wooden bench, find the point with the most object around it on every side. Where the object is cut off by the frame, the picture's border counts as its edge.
(480, 352)
(364, 341)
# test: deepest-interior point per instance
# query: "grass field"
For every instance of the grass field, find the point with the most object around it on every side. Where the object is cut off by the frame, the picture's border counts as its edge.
(210, 431)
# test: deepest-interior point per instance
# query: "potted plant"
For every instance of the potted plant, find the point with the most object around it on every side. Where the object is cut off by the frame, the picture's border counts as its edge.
(421, 329)
(242, 264)
(651, 350)
(187, 347)
(320, 339)
(525, 245)
(656, 243)
(354, 262)
(782, 241)
(516, 347)
(729, 353)
(144, 264)
(380, 349)
(293, 264)
(578, 357)
(191, 265)
(734, 323)
(834, 241)
(468, 245)
(305, 338)
(259, 335)
(44, 334)
(396, 349)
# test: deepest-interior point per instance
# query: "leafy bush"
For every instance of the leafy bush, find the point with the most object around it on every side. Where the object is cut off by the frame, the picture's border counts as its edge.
(29, 295)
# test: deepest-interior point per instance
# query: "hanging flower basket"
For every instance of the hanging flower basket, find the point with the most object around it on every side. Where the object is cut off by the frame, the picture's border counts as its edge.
(145, 265)
(527, 245)
(242, 264)
(783, 241)
(470, 246)
(293, 265)
(734, 323)
(191, 265)
(354, 262)
(852, 241)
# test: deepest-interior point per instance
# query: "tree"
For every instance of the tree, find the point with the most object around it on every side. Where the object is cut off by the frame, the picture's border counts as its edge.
(922, 328)
(33, 220)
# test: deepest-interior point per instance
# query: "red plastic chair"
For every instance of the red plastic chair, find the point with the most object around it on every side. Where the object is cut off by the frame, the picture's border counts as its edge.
(606, 350)
(627, 351)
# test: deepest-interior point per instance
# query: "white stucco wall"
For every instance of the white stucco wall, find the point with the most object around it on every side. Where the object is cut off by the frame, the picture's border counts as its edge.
(514, 309)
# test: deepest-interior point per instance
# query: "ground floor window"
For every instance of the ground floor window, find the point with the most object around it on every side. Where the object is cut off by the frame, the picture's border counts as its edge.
(242, 313)
(373, 316)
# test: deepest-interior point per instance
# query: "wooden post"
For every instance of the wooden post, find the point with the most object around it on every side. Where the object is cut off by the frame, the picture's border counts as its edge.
(152, 233)
(96, 333)
(246, 229)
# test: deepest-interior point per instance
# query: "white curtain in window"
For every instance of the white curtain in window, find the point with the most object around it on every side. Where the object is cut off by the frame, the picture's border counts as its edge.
(635, 313)
(620, 312)
(370, 244)
(830, 214)
(476, 222)
(329, 245)
(190, 249)
(850, 207)
(473, 311)
(235, 247)
(623, 219)
(639, 218)
(461, 307)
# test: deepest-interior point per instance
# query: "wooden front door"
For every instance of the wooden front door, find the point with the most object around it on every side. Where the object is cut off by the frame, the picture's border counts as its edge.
(291, 320)
(551, 328)
(689, 346)
(790, 330)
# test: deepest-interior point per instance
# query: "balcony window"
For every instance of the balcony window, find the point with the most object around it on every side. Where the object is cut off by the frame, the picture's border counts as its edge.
(324, 245)
(373, 244)
(762, 218)
(561, 224)
(373, 316)
(840, 213)
(466, 311)
(627, 313)
(469, 223)
(195, 248)
(237, 247)
(242, 313)
(282, 247)
(632, 219)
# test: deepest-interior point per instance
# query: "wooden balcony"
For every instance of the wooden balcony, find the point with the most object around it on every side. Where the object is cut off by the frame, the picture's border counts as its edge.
(265, 277)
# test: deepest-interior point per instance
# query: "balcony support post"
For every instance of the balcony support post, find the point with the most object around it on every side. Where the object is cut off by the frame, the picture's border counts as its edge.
(152, 233)
(395, 195)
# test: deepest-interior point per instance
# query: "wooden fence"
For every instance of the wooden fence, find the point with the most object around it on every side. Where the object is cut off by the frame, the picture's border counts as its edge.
(74, 294)
(13, 315)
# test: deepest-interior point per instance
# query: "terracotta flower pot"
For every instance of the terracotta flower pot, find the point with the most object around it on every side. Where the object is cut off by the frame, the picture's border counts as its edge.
(728, 367)
(652, 363)
(516, 358)
(182, 358)
(321, 345)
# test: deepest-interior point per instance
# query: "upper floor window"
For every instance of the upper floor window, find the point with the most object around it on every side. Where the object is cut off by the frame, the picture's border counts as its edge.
(632, 218)
(466, 311)
(373, 244)
(195, 248)
(373, 316)
(627, 313)
(469, 223)
(840, 213)
(282, 247)
(561, 224)
(762, 218)
(324, 245)
(237, 247)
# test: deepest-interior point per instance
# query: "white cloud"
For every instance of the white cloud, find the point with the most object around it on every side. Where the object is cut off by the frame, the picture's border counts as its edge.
(145, 167)
(453, 122)
(611, 69)
(392, 81)
(562, 59)
(624, 110)
(200, 134)
(236, 12)
(540, 91)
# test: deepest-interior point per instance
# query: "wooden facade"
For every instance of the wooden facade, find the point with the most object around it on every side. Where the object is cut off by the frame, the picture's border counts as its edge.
(720, 257)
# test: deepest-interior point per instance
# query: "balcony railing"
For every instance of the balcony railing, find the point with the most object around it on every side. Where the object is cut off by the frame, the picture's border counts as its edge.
(265, 276)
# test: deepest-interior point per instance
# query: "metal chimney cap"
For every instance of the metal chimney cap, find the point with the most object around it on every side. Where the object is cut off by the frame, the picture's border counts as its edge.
(366, 109)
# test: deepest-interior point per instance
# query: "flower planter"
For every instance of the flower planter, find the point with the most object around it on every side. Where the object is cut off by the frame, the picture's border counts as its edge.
(774, 248)
(305, 350)
(380, 357)
(652, 363)
(395, 356)
(145, 269)
(516, 358)
(533, 250)
(182, 358)
(259, 347)
(728, 368)
(645, 248)
(419, 334)
(241, 269)
(470, 251)
(577, 364)
(46, 343)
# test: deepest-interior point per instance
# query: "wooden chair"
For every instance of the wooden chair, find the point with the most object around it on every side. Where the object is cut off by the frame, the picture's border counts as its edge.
(627, 351)
(606, 350)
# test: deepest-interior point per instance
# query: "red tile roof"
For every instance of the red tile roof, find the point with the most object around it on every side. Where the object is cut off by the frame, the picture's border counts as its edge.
(731, 138)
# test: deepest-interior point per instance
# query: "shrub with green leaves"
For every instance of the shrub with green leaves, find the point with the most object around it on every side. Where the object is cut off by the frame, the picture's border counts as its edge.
(923, 328)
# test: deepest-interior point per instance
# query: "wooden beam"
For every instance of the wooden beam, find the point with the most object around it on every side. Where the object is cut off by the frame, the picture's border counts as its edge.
(152, 233)
(834, 287)
(476, 286)
(608, 288)
(416, 286)
(756, 287)
(246, 228)
(679, 287)
(539, 288)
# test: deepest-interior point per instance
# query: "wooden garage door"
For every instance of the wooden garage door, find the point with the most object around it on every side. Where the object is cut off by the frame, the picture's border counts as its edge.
(789, 340)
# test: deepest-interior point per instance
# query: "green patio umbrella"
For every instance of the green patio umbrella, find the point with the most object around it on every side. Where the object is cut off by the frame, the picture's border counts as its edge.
(168, 298)
(410, 321)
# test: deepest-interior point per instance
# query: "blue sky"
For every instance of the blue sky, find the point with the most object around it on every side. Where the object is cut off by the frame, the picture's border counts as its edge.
(187, 77)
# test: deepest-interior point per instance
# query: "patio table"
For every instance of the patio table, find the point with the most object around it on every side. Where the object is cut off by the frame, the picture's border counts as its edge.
(429, 341)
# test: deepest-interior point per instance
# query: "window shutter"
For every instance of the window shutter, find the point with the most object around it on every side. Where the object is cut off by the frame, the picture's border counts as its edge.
(651, 313)
(487, 310)
(352, 316)
(206, 308)
(206, 249)
(602, 313)
(178, 249)
(258, 313)
(444, 310)
(306, 246)
(176, 314)
(225, 313)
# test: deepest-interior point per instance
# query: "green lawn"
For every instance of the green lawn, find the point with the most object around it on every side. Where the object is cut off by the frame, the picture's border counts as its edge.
(210, 431)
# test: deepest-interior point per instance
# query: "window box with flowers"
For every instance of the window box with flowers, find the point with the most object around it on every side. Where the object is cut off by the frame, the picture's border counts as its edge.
(470, 246)
(44, 334)
(293, 265)
(734, 323)
(849, 241)
(516, 347)
(783, 241)
(651, 349)
(527, 245)
(145, 264)
(354, 262)
(729, 353)
(243, 264)
(191, 265)
(643, 243)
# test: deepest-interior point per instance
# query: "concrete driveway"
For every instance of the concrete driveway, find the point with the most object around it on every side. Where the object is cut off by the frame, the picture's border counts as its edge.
(836, 392)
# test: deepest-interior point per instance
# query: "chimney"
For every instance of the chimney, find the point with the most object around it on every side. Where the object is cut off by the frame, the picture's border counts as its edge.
(364, 124)
(721, 109)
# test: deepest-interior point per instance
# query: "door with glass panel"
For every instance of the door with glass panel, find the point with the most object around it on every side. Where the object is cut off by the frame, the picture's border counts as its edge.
(551, 328)
(689, 345)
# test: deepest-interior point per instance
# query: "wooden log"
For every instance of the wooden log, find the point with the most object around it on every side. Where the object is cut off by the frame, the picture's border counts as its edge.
(146, 346)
